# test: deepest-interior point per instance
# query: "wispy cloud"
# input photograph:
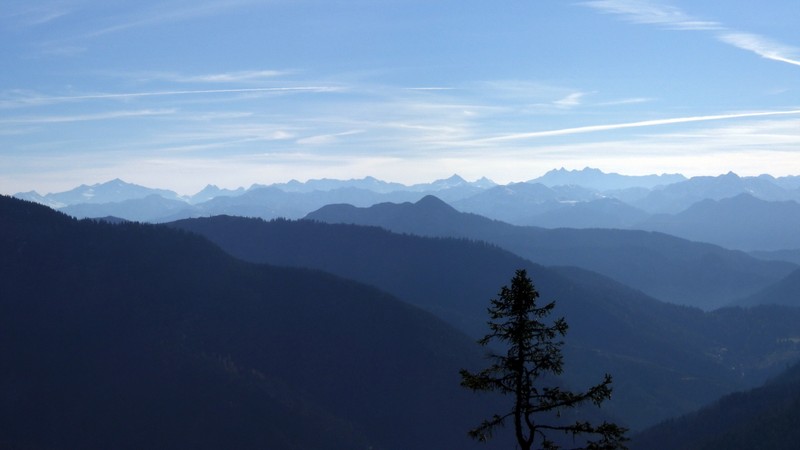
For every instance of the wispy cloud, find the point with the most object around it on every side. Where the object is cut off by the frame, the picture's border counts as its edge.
(644, 123)
(87, 117)
(326, 138)
(625, 101)
(62, 51)
(431, 88)
(570, 100)
(170, 12)
(644, 12)
(34, 100)
(105, 21)
(232, 77)
(241, 76)
(763, 47)
(34, 15)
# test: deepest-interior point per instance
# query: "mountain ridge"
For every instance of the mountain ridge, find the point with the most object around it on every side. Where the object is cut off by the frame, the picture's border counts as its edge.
(141, 336)
(595, 178)
(666, 267)
(694, 208)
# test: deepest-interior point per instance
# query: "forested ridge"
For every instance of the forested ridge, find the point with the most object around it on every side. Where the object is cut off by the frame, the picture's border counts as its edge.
(140, 336)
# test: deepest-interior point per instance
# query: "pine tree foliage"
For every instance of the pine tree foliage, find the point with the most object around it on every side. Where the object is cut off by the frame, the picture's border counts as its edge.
(533, 352)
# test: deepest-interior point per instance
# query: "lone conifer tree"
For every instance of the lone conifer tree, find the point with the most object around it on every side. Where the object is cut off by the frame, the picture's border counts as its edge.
(534, 350)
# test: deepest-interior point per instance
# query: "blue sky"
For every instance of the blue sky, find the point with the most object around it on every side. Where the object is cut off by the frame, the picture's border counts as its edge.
(178, 94)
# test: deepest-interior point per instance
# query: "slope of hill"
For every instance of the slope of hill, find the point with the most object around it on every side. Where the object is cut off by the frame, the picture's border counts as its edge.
(665, 359)
(765, 417)
(788, 255)
(272, 202)
(665, 267)
(212, 191)
(135, 336)
(743, 222)
(600, 213)
(153, 208)
(522, 203)
(784, 292)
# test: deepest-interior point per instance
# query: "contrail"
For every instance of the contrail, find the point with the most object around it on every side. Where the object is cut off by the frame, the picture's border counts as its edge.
(644, 123)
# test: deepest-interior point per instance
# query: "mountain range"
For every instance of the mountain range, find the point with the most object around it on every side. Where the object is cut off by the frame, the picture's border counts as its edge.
(665, 267)
(742, 221)
(708, 209)
(234, 331)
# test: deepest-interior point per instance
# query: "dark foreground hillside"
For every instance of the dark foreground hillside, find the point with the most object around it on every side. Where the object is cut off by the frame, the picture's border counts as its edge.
(134, 336)
(766, 417)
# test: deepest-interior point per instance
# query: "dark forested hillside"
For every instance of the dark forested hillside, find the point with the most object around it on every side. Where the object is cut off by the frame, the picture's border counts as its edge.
(766, 417)
(134, 336)
(665, 267)
(666, 359)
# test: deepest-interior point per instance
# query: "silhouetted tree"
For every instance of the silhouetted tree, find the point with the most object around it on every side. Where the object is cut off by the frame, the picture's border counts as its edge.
(533, 351)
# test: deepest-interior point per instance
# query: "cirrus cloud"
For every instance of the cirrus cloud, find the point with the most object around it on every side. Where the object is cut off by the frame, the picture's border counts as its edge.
(645, 12)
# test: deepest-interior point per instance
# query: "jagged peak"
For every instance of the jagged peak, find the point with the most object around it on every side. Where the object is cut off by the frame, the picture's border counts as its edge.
(453, 179)
(114, 182)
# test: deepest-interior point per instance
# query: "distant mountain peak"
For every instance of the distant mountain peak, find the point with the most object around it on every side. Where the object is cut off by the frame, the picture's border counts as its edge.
(483, 181)
(453, 180)
(432, 201)
(585, 170)
(593, 178)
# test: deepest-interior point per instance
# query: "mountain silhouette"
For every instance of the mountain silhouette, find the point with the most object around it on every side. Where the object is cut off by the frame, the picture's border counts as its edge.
(784, 292)
(742, 222)
(522, 203)
(598, 180)
(676, 197)
(111, 191)
(141, 336)
(153, 208)
(665, 267)
(600, 213)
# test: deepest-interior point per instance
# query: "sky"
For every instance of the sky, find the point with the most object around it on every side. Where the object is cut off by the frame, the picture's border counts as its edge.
(178, 94)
